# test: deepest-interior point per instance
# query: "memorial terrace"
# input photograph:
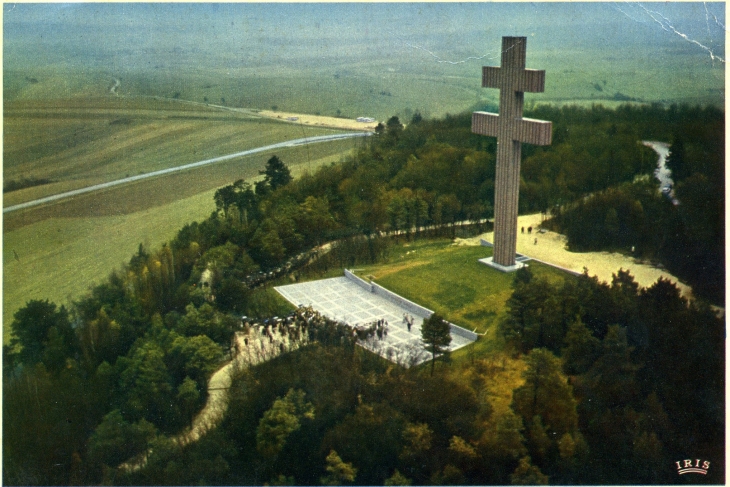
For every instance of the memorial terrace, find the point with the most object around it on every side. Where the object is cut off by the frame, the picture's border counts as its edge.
(362, 305)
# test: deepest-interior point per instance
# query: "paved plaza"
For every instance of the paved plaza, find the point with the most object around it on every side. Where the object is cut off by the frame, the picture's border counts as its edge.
(342, 300)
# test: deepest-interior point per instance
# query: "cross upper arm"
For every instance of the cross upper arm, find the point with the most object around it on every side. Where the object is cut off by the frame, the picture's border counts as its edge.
(525, 80)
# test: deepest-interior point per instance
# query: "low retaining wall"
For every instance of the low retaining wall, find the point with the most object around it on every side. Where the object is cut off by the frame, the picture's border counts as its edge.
(359, 281)
(402, 302)
(463, 332)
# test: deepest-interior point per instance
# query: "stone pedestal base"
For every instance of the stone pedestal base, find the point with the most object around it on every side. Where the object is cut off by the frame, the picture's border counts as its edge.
(511, 268)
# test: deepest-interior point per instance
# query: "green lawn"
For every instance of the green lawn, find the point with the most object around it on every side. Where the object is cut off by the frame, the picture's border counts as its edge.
(449, 280)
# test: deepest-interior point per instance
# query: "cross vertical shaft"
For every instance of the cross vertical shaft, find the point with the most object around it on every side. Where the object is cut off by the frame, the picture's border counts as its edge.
(511, 130)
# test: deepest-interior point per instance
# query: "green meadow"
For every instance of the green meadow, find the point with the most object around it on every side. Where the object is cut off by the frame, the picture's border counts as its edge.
(59, 251)
(394, 86)
(81, 142)
(449, 279)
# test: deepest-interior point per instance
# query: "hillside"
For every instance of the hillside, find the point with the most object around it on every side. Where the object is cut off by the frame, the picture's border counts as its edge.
(69, 144)
(570, 370)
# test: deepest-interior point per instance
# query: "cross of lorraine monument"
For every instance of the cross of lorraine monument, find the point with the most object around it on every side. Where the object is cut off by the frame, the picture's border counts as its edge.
(511, 130)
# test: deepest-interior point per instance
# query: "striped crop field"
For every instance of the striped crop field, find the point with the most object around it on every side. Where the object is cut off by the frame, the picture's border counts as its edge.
(59, 250)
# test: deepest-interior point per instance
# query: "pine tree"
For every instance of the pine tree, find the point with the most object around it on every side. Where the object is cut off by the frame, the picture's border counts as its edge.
(547, 394)
(436, 334)
(276, 174)
(676, 160)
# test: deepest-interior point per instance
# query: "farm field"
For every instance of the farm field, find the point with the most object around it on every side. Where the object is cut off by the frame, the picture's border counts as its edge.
(77, 143)
(335, 92)
(400, 86)
(64, 248)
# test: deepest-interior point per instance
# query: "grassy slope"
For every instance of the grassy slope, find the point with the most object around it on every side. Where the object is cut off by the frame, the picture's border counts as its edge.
(401, 83)
(363, 92)
(79, 143)
(147, 193)
(59, 257)
(449, 280)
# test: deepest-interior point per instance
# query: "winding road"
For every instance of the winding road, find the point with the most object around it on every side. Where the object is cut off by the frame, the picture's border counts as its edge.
(662, 172)
(97, 187)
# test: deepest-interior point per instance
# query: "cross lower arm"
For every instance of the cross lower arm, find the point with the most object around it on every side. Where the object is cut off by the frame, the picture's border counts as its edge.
(526, 130)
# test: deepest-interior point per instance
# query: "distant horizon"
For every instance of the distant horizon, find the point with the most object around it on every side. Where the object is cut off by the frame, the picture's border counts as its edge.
(244, 25)
(579, 44)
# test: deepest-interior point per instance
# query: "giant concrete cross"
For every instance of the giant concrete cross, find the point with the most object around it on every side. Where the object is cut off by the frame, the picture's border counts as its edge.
(511, 131)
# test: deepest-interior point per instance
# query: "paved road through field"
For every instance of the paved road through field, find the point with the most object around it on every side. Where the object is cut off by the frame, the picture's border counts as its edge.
(96, 187)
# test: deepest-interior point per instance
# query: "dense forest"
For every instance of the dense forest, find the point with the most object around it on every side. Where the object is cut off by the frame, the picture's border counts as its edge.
(610, 393)
(608, 397)
(687, 238)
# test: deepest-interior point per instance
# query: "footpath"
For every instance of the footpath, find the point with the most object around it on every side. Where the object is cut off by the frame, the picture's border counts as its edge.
(550, 248)
(257, 344)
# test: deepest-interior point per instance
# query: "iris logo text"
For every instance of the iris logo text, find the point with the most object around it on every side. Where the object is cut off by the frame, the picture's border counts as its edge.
(692, 466)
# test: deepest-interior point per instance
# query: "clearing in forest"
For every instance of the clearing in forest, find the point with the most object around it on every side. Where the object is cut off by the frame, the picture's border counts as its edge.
(450, 280)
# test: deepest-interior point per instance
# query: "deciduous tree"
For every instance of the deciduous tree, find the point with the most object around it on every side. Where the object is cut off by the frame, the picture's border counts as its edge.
(116, 440)
(283, 418)
(43, 333)
(528, 474)
(147, 385)
(398, 479)
(338, 472)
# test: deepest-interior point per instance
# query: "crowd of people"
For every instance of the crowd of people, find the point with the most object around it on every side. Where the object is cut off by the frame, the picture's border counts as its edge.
(368, 331)
(262, 277)
(261, 340)
(379, 328)
(258, 341)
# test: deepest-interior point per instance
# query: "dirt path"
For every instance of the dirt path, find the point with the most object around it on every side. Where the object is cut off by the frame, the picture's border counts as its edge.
(254, 347)
(550, 248)
(319, 121)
